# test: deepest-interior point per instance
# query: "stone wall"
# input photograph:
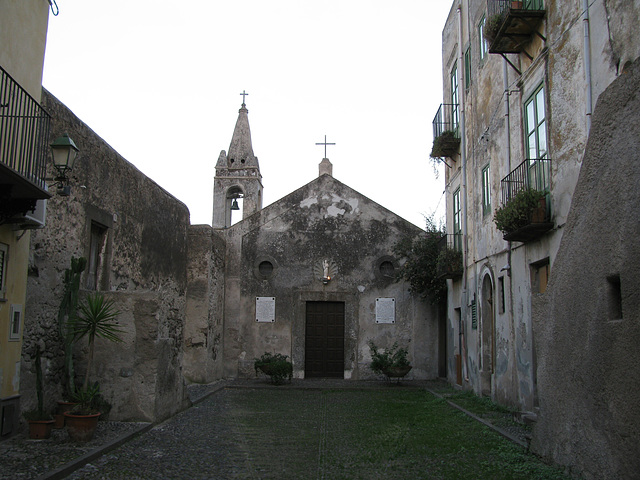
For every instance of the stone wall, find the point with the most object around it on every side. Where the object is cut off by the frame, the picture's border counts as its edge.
(141, 260)
(587, 324)
(205, 295)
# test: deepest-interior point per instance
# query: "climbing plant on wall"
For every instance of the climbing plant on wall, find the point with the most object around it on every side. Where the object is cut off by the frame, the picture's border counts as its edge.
(421, 266)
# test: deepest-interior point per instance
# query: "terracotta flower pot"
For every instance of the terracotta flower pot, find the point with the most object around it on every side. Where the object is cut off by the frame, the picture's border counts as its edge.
(81, 428)
(59, 416)
(396, 372)
(40, 429)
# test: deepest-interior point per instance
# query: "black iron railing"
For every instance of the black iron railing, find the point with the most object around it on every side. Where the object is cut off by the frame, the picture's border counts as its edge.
(534, 174)
(453, 241)
(447, 119)
(24, 131)
(497, 7)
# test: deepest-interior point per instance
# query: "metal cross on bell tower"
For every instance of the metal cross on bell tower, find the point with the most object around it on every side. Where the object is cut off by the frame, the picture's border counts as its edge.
(244, 94)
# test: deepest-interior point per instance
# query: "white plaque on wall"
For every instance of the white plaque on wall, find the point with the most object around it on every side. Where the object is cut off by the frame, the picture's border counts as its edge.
(266, 309)
(385, 310)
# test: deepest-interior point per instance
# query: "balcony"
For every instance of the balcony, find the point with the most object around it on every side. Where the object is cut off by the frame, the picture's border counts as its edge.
(446, 131)
(511, 24)
(450, 261)
(24, 131)
(525, 214)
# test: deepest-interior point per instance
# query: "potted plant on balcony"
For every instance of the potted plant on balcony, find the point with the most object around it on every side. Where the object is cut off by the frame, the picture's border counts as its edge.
(492, 27)
(40, 423)
(526, 207)
(392, 362)
(97, 319)
(276, 366)
(449, 263)
(445, 145)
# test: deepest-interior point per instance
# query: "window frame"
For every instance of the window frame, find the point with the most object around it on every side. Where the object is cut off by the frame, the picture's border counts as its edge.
(455, 97)
(540, 125)
(483, 46)
(14, 335)
(467, 68)
(457, 220)
(486, 189)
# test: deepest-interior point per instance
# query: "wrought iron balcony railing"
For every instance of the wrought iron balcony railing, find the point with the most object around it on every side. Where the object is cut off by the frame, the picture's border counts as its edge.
(510, 24)
(447, 119)
(24, 131)
(450, 258)
(531, 174)
(446, 130)
(500, 6)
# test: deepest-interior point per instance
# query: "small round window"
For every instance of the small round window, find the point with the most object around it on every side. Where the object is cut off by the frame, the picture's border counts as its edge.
(387, 269)
(265, 268)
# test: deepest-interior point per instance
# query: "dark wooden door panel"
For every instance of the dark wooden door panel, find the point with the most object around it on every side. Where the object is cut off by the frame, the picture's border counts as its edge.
(324, 342)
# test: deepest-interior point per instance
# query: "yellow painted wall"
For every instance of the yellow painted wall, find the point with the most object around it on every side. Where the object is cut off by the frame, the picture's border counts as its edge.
(15, 294)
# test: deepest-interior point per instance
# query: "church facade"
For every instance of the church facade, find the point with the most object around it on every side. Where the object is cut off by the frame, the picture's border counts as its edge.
(311, 276)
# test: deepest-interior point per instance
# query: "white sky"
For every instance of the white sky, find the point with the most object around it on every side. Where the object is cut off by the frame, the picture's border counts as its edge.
(160, 81)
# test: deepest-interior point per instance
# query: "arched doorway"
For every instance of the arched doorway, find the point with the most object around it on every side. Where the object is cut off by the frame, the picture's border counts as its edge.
(488, 334)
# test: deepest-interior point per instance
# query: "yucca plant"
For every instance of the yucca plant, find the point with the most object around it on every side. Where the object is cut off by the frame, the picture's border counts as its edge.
(97, 319)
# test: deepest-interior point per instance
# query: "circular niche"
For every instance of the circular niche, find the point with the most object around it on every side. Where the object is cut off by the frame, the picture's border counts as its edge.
(385, 268)
(264, 268)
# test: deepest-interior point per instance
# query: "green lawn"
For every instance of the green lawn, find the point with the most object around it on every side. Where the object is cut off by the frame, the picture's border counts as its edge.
(365, 434)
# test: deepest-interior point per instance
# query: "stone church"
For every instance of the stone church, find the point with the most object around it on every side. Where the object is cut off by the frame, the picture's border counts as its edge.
(311, 276)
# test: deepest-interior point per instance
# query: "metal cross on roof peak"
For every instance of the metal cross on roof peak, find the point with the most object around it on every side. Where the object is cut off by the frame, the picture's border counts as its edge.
(244, 94)
(325, 145)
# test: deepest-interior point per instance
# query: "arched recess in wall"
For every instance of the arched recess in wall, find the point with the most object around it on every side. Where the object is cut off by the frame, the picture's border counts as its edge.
(234, 205)
(488, 328)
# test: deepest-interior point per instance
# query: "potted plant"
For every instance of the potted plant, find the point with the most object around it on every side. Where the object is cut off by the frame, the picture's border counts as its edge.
(97, 318)
(40, 423)
(66, 315)
(445, 145)
(391, 362)
(276, 366)
(449, 263)
(82, 420)
(492, 27)
(519, 210)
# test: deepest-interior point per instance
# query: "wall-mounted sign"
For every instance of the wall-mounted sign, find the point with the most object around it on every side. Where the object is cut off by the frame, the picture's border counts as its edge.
(385, 310)
(266, 309)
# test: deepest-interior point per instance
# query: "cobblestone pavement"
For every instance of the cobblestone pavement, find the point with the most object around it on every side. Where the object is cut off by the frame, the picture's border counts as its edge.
(234, 433)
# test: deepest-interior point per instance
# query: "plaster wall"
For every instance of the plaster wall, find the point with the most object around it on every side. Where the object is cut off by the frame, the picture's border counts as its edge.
(587, 323)
(142, 260)
(204, 308)
(495, 137)
(323, 220)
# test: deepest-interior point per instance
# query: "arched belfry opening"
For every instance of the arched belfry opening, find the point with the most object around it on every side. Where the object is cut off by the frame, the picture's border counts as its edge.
(234, 206)
(237, 185)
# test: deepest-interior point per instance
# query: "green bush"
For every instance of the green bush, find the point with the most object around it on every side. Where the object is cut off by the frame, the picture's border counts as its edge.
(449, 261)
(517, 212)
(274, 365)
(394, 357)
(445, 144)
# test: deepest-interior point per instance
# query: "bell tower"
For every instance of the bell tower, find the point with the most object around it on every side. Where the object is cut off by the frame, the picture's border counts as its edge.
(238, 178)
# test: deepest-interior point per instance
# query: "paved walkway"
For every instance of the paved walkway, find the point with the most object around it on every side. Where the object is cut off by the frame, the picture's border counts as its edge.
(233, 432)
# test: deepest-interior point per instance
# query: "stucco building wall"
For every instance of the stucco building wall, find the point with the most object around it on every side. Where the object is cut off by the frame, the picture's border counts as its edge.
(587, 324)
(140, 262)
(493, 299)
(324, 220)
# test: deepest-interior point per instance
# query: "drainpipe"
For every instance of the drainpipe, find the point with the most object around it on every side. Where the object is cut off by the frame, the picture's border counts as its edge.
(463, 161)
(587, 60)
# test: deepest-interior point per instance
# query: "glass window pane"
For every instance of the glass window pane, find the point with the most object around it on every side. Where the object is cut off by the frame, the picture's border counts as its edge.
(540, 105)
(542, 140)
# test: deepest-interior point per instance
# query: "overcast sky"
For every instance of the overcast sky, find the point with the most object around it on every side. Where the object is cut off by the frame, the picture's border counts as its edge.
(160, 81)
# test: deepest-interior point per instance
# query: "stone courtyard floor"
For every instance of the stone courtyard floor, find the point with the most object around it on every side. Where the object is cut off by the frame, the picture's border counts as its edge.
(307, 430)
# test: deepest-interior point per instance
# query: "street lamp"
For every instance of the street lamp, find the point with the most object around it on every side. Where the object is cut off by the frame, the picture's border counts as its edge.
(64, 152)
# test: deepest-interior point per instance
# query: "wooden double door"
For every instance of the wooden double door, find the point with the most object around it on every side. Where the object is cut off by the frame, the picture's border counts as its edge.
(324, 340)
